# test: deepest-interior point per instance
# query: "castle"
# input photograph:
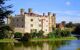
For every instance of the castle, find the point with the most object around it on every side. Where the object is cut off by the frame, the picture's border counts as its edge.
(31, 22)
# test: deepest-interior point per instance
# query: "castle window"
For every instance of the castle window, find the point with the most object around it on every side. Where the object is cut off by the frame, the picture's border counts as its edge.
(22, 19)
(31, 19)
(17, 19)
(31, 25)
(40, 25)
(22, 26)
(40, 20)
(46, 20)
(33, 30)
(46, 29)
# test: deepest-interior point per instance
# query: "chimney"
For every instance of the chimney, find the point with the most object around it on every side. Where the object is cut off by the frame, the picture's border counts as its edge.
(54, 14)
(43, 14)
(21, 11)
(30, 10)
(49, 13)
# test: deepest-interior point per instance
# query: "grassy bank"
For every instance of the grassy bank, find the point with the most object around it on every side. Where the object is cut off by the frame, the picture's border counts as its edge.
(7, 40)
(40, 39)
(53, 39)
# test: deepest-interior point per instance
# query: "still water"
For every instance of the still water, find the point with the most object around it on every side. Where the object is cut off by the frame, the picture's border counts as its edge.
(52, 45)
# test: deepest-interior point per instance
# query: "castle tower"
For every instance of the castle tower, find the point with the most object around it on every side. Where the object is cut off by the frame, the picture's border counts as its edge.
(30, 10)
(54, 20)
(43, 14)
(21, 11)
(50, 21)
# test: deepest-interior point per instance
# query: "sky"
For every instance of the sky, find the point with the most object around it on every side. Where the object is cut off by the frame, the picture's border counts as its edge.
(66, 10)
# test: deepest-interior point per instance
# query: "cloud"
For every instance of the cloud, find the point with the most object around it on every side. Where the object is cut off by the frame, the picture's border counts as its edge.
(68, 3)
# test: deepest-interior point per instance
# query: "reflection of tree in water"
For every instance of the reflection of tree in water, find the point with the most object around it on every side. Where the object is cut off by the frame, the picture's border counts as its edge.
(18, 44)
(57, 44)
(50, 45)
(78, 49)
(6, 46)
(33, 44)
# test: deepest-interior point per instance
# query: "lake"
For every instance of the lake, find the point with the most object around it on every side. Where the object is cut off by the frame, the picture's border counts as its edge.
(49, 45)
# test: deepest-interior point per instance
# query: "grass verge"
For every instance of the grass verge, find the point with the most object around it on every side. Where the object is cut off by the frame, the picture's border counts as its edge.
(53, 39)
(7, 40)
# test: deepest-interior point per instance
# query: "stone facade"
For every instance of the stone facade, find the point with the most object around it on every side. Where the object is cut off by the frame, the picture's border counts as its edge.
(29, 22)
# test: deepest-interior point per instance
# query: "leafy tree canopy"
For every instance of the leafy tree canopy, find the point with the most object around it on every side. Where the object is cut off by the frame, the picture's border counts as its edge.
(4, 11)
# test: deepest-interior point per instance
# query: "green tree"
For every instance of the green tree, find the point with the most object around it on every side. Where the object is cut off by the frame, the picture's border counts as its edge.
(40, 34)
(55, 33)
(51, 35)
(70, 25)
(33, 34)
(17, 35)
(59, 33)
(63, 22)
(26, 37)
(65, 33)
(6, 33)
(76, 30)
(4, 12)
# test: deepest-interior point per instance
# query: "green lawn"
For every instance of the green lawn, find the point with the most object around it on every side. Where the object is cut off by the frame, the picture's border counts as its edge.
(7, 40)
(40, 39)
(53, 39)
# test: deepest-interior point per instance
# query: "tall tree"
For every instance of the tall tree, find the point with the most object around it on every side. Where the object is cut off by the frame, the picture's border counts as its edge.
(70, 25)
(63, 22)
(4, 12)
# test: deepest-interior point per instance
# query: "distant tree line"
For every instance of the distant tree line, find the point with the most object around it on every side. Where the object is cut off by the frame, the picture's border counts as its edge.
(76, 27)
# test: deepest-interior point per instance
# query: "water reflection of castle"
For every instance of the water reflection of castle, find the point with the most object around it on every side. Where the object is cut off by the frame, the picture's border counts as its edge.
(50, 45)
(41, 45)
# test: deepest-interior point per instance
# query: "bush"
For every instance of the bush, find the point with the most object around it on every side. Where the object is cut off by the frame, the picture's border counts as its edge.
(40, 34)
(17, 35)
(59, 33)
(65, 33)
(26, 37)
(50, 35)
(1, 35)
(76, 30)
(5, 32)
(33, 34)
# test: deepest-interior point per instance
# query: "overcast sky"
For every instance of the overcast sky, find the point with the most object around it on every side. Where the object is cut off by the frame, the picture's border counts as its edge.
(66, 10)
